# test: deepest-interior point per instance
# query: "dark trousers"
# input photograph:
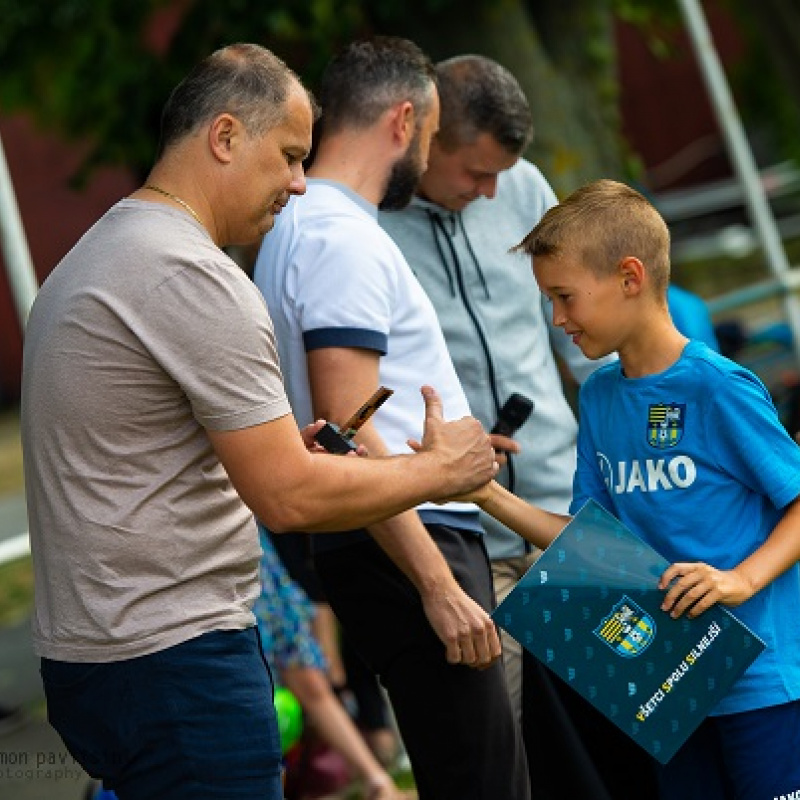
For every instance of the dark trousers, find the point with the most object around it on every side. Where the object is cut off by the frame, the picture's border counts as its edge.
(295, 550)
(752, 755)
(372, 713)
(574, 752)
(456, 722)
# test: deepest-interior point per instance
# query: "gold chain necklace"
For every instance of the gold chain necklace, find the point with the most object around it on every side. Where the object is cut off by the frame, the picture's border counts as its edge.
(177, 199)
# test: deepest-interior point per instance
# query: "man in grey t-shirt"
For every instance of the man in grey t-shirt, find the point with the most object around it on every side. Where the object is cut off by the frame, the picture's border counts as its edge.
(154, 423)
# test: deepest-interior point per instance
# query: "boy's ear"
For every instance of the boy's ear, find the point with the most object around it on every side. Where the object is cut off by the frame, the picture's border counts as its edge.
(632, 275)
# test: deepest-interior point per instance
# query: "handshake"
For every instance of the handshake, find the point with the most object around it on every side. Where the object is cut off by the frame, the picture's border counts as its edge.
(464, 457)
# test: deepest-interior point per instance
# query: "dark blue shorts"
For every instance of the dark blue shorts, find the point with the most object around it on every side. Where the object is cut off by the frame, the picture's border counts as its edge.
(754, 755)
(192, 721)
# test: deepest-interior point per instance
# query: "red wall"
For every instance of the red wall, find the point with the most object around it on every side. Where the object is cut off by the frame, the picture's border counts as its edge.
(666, 114)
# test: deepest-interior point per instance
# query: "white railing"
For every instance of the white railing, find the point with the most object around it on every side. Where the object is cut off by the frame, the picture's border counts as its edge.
(14, 548)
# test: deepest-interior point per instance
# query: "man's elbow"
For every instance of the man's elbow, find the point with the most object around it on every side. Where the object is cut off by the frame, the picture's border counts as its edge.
(286, 518)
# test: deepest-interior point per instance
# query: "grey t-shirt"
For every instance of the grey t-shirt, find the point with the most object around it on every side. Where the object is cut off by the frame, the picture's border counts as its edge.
(142, 337)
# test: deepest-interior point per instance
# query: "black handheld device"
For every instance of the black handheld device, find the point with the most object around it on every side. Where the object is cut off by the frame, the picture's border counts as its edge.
(513, 414)
(340, 440)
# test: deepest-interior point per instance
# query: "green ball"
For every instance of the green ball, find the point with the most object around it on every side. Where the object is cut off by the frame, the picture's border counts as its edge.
(290, 718)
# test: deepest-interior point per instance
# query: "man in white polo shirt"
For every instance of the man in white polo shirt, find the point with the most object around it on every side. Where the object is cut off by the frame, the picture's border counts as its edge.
(412, 593)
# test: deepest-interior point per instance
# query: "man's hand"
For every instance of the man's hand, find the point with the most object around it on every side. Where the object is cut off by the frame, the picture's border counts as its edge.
(692, 588)
(309, 432)
(467, 631)
(313, 446)
(502, 446)
(462, 446)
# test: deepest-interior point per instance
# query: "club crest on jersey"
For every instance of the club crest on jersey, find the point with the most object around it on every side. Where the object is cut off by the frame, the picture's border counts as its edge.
(665, 424)
(628, 629)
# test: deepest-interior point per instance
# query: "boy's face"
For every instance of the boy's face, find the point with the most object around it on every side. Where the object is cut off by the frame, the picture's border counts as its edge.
(590, 308)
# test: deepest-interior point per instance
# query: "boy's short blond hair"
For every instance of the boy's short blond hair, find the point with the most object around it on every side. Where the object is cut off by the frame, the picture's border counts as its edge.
(600, 224)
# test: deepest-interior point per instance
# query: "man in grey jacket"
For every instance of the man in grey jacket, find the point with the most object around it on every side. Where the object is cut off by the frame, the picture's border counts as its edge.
(478, 198)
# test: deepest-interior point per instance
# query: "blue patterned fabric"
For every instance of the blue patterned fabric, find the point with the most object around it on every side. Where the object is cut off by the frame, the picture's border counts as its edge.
(284, 614)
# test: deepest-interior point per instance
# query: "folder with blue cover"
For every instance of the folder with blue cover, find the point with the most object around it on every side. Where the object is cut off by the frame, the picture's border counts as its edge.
(590, 610)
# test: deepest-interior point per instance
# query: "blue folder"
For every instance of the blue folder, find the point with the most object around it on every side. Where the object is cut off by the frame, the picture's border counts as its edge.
(590, 610)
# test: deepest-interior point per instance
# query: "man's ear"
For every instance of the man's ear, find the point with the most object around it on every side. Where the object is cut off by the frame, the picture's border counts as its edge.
(632, 274)
(402, 120)
(222, 135)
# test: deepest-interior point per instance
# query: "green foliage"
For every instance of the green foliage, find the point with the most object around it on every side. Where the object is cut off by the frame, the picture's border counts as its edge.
(659, 22)
(16, 591)
(90, 69)
(10, 453)
(768, 104)
(94, 71)
(303, 32)
(81, 68)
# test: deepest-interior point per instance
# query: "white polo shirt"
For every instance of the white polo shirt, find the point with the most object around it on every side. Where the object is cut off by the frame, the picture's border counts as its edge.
(333, 278)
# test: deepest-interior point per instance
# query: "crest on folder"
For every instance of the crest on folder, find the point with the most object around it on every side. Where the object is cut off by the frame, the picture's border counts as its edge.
(665, 423)
(628, 629)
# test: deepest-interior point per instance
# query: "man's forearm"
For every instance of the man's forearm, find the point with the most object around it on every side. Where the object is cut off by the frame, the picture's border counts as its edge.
(408, 544)
(352, 493)
(290, 489)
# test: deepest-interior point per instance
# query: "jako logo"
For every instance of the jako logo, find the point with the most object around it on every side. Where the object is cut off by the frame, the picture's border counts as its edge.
(650, 475)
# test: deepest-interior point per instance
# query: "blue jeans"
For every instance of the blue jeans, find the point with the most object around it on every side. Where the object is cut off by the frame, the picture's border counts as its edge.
(192, 721)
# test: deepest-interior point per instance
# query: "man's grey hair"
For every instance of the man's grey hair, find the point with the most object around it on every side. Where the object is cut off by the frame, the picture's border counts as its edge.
(245, 80)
